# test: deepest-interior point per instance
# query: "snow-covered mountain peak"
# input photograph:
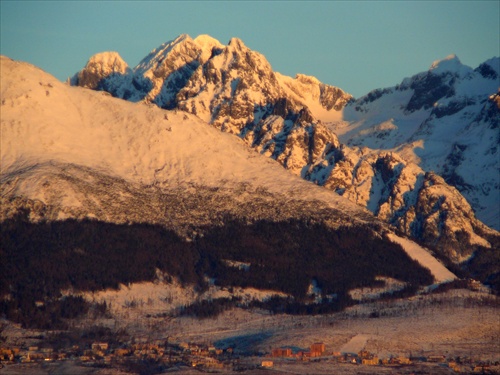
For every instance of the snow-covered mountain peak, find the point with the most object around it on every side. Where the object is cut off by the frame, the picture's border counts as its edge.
(207, 40)
(108, 58)
(207, 45)
(494, 62)
(450, 63)
(101, 66)
(175, 53)
(324, 101)
(307, 79)
(157, 56)
(170, 76)
(446, 120)
(237, 43)
(450, 59)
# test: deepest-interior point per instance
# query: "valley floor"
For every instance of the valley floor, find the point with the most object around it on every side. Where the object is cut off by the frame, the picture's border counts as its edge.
(448, 324)
(459, 323)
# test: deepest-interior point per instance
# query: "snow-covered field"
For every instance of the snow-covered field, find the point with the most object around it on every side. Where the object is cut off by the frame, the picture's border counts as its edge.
(457, 323)
(162, 297)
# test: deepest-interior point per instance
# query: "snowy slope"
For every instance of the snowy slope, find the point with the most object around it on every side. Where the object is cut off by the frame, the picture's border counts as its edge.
(440, 272)
(445, 120)
(45, 121)
(81, 153)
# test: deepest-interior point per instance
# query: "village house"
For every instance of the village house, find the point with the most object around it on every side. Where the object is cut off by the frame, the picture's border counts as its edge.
(100, 346)
(396, 361)
(318, 347)
(368, 358)
(370, 361)
(282, 352)
(8, 354)
(364, 354)
(267, 364)
(350, 358)
(436, 358)
(311, 354)
(455, 366)
(122, 352)
(404, 361)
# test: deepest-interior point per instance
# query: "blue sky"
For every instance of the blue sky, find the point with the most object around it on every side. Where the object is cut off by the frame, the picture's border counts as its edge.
(355, 45)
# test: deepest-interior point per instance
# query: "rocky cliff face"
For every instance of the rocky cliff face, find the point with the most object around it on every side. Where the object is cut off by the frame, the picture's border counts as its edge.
(420, 204)
(235, 90)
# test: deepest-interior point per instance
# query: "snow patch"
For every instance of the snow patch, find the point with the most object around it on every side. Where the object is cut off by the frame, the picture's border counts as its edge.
(235, 264)
(166, 297)
(372, 293)
(418, 253)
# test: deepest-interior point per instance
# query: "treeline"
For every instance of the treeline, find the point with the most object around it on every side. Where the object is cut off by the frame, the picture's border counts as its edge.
(286, 256)
(45, 314)
(41, 259)
(209, 308)
(484, 265)
(38, 260)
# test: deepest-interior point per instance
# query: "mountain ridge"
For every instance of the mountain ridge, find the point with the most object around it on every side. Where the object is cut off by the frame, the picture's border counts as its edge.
(114, 140)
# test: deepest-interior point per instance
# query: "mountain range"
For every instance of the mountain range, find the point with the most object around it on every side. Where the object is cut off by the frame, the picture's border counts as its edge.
(409, 154)
(214, 161)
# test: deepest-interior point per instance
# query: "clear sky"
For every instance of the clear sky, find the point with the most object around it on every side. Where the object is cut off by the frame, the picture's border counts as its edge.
(355, 45)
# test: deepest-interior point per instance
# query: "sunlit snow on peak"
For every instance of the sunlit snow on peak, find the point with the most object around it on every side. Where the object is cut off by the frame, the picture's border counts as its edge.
(450, 63)
(207, 40)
